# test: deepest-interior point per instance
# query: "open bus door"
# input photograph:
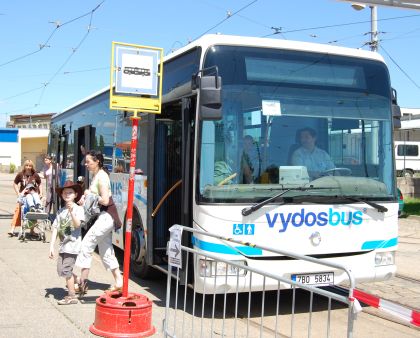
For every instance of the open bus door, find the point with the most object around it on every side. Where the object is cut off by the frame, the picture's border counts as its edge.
(169, 175)
(54, 151)
(84, 140)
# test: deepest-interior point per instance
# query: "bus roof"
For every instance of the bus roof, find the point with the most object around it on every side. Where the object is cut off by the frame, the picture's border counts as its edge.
(209, 40)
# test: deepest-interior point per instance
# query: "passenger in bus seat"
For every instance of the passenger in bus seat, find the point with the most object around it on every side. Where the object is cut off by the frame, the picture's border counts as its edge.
(316, 160)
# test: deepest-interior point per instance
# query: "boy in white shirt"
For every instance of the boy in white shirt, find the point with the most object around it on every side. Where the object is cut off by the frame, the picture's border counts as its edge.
(67, 227)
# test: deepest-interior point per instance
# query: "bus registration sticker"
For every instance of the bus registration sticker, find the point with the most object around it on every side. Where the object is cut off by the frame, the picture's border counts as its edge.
(318, 279)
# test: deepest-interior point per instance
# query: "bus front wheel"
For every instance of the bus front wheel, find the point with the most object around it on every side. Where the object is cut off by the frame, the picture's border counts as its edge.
(138, 253)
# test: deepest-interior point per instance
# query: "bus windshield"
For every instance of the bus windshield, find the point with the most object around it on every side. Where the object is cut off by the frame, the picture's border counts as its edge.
(296, 119)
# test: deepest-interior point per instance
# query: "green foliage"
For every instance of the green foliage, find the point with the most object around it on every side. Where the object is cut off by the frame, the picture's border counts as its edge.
(12, 168)
(411, 206)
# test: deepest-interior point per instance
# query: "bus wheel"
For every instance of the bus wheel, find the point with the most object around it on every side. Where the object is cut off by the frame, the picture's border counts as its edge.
(408, 173)
(138, 263)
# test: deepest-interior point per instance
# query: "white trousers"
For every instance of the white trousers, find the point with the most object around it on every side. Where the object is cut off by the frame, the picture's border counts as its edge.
(100, 234)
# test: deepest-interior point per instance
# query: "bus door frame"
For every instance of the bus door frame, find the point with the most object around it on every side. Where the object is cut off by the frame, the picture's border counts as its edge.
(88, 141)
(187, 156)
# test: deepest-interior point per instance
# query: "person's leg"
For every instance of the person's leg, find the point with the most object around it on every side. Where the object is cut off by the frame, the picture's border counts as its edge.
(36, 199)
(84, 259)
(110, 262)
(29, 206)
(106, 249)
(65, 264)
(15, 220)
(29, 201)
(70, 285)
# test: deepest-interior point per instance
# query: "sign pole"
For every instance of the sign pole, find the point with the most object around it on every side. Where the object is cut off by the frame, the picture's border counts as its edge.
(137, 71)
(129, 218)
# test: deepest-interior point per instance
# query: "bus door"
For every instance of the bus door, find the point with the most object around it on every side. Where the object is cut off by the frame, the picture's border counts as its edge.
(167, 182)
(54, 151)
(84, 140)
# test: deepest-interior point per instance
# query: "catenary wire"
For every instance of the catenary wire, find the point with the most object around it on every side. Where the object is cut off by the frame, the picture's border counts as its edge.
(225, 19)
(399, 67)
(69, 57)
(45, 44)
(338, 25)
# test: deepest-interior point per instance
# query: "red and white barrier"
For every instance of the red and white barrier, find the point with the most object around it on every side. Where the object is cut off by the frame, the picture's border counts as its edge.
(399, 311)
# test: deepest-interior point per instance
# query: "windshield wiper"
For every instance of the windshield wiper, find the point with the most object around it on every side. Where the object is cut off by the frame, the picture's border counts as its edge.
(377, 206)
(249, 210)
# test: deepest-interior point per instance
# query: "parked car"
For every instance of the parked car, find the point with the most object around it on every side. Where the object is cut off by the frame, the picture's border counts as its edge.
(407, 158)
(400, 202)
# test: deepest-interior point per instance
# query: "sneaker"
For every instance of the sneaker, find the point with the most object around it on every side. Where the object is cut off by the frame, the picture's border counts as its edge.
(68, 300)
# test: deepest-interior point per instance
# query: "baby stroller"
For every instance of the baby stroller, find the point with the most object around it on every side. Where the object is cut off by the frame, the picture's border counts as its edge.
(32, 216)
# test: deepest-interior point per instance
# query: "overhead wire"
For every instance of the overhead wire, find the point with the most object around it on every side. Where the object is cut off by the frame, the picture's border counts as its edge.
(45, 44)
(74, 50)
(230, 15)
(85, 70)
(22, 93)
(403, 35)
(399, 67)
(338, 25)
(69, 57)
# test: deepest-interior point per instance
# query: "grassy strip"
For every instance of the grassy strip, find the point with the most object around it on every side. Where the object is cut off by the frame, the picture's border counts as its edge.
(411, 206)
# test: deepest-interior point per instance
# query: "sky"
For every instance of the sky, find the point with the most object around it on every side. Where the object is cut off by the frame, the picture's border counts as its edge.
(57, 52)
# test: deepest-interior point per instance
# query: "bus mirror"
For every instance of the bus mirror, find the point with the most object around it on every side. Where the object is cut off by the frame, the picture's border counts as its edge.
(210, 97)
(396, 116)
(396, 110)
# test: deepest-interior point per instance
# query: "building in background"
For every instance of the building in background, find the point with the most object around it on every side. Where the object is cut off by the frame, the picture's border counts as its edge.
(35, 121)
(410, 125)
(24, 138)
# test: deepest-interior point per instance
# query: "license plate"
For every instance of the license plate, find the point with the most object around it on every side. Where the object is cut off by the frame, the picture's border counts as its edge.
(318, 279)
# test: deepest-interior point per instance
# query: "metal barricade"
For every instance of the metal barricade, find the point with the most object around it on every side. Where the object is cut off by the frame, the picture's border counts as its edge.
(211, 311)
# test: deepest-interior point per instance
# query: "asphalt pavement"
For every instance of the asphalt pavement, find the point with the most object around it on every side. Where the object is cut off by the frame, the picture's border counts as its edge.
(30, 287)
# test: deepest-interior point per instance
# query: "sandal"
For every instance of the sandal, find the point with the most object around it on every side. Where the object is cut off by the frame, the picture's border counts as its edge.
(11, 234)
(68, 300)
(115, 288)
(83, 287)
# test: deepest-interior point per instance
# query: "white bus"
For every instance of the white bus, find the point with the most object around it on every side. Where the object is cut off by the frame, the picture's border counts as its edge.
(227, 95)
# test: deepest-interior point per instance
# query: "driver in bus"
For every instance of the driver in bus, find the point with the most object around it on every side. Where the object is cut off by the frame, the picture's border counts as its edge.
(316, 160)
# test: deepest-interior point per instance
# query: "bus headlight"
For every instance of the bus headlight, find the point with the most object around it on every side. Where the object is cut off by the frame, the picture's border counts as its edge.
(385, 258)
(209, 268)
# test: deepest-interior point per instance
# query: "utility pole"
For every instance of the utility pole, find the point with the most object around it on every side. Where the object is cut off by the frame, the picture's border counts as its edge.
(374, 28)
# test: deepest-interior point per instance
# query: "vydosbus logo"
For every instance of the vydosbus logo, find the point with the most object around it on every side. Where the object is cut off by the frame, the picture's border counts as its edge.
(309, 219)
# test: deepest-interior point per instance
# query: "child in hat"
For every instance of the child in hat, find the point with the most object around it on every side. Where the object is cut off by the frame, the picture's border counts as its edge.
(67, 227)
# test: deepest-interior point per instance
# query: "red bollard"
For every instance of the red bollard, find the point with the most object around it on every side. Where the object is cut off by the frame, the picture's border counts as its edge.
(118, 316)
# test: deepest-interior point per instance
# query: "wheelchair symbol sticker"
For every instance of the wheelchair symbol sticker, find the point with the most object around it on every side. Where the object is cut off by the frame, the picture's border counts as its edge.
(243, 229)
